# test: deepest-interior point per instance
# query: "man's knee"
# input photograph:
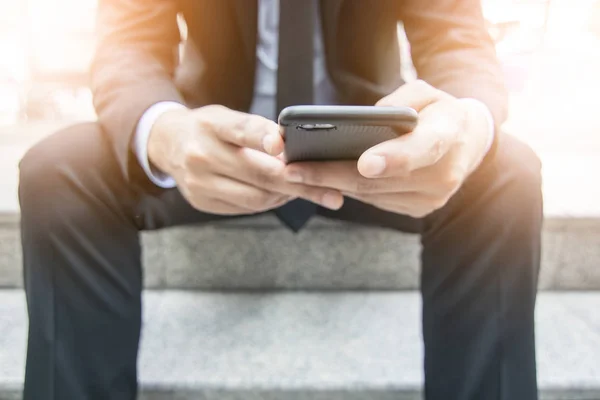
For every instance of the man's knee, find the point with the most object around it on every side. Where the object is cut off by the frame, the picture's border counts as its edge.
(511, 183)
(518, 171)
(65, 162)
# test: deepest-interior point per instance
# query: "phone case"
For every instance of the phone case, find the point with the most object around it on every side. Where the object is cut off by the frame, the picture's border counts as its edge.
(318, 133)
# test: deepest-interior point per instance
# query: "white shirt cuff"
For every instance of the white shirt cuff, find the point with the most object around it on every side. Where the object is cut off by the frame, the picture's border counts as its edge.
(140, 142)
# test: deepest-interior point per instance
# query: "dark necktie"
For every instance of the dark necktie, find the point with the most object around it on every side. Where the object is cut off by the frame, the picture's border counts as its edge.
(295, 82)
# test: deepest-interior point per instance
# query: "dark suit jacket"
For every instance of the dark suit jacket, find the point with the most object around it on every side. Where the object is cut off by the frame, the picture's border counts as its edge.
(137, 62)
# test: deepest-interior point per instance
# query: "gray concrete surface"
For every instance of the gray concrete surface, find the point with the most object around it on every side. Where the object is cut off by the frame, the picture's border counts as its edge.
(312, 345)
(255, 253)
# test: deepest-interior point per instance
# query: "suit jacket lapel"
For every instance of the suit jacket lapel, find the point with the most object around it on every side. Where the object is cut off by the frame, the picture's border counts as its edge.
(246, 12)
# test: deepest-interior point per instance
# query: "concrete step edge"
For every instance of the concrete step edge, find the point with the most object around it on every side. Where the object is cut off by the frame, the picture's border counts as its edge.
(257, 253)
(333, 335)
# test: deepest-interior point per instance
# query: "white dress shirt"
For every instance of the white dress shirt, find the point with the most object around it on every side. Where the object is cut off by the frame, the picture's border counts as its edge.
(265, 87)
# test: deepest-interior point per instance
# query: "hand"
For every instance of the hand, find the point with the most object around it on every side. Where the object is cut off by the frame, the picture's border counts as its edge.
(226, 162)
(419, 172)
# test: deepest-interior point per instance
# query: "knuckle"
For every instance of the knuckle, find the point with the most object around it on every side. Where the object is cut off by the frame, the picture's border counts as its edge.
(188, 182)
(242, 123)
(196, 203)
(276, 199)
(207, 125)
(250, 122)
(452, 179)
(437, 150)
(241, 138)
(311, 177)
(192, 198)
(250, 129)
(446, 129)
(455, 104)
(460, 139)
(314, 195)
(365, 185)
(420, 82)
(430, 91)
(438, 203)
(259, 201)
(264, 178)
(402, 161)
(208, 115)
(252, 204)
(195, 158)
(418, 213)
(413, 211)
(214, 108)
(422, 85)
(421, 212)
(363, 197)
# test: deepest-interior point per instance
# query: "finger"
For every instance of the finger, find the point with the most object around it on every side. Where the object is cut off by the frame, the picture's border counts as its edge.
(220, 207)
(414, 204)
(441, 179)
(417, 95)
(216, 206)
(434, 136)
(240, 163)
(344, 176)
(266, 172)
(237, 193)
(341, 175)
(248, 165)
(245, 130)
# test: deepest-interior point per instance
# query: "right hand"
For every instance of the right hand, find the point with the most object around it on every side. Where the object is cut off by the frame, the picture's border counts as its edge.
(227, 162)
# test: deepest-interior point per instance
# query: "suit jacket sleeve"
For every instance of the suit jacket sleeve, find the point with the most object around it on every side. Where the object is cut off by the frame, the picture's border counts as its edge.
(133, 68)
(452, 50)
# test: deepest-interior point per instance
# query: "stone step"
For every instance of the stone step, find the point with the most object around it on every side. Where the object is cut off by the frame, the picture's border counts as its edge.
(258, 253)
(345, 345)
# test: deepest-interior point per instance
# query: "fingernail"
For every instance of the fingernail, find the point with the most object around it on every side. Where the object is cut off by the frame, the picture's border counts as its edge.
(331, 200)
(293, 176)
(374, 165)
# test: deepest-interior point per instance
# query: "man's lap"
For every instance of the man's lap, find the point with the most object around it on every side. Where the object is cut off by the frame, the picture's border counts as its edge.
(83, 152)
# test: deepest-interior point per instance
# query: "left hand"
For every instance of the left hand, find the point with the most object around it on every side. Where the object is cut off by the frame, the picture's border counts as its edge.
(416, 173)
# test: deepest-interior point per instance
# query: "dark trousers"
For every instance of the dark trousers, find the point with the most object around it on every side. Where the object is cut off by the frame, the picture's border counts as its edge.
(83, 275)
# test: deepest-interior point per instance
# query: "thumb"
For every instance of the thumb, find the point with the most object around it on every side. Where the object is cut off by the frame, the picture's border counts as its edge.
(417, 95)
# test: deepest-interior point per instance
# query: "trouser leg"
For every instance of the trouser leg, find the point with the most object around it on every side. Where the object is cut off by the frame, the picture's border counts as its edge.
(480, 264)
(83, 277)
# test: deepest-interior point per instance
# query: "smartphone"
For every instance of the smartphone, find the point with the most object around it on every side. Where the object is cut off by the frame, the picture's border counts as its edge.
(320, 133)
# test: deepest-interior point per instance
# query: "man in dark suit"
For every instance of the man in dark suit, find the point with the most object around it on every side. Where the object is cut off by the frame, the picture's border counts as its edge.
(194, 141)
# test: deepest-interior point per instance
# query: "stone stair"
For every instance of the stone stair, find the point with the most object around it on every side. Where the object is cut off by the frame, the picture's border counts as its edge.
(258, 253)
(300, 346)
